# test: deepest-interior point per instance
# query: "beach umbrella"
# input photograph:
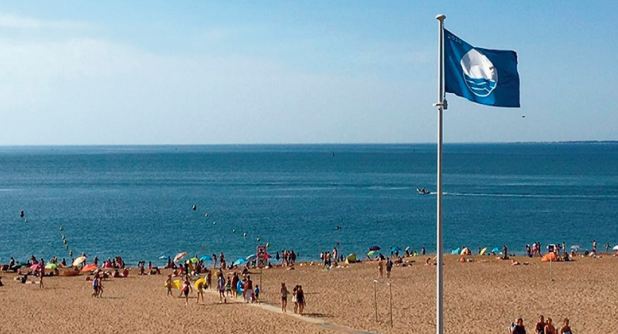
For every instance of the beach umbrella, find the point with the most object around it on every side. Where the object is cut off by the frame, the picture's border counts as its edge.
(373, 253)
(456, 251)
(575, 247)
(407, 248)
(374, 248)
(251, 257)
(162, 257)
(205, 258)
(483, 251)
(34, 267)
(51, 266)
(465, 251)
(89, 267)
(395, 249)
(239, 262)
(495, 250)
(79, 260)
(615, 248)
(194, 260)
(179, 256)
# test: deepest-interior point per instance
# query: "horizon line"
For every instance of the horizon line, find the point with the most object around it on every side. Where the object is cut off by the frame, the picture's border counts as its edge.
(314, 144)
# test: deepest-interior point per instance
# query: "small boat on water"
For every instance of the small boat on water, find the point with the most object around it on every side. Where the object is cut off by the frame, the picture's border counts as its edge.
(423, 191)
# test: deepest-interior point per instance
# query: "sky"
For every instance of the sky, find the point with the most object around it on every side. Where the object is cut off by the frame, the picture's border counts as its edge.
(256, 72)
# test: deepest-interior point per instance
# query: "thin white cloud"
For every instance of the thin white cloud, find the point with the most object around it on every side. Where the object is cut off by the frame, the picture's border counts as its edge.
(14, 21)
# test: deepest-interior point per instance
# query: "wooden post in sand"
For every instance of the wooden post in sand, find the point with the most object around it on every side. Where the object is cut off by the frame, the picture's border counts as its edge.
(390, 301)
(375, 297)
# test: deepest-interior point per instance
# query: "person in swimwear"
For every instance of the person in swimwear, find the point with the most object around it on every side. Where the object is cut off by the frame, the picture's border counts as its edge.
(565, 329)
(186, 288)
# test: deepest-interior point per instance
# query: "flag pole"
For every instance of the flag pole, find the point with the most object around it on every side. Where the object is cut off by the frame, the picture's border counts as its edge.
(440, 105)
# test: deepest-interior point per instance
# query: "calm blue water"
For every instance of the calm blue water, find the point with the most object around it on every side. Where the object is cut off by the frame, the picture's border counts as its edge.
(136, 201)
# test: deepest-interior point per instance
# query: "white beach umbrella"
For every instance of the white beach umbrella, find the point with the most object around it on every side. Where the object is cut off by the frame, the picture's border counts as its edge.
(615, 248)
(79, 260)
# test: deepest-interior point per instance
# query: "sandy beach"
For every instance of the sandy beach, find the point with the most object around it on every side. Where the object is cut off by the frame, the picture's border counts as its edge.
(482, 296)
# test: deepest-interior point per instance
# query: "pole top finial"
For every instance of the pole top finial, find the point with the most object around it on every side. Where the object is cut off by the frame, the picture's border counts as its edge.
(440, 17)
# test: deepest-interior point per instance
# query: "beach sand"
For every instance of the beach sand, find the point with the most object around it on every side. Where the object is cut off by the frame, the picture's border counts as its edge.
(483, 296)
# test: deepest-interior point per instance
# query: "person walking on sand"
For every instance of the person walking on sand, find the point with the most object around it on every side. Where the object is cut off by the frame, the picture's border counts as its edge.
(168, 285)
(294, 298)
(540, 326)
(186, 288)
(221, 288)
(549, 327)
(300, 299)
(389, 267)
(565, 329)
(41, 272)
(284, 297)
(381, 268)
(518, 327)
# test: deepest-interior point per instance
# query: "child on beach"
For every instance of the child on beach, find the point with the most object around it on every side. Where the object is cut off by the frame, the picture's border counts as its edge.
(168, 285)
(284, 297)
(221, 288)
(257, 293)
(186, 288)
(228, 287)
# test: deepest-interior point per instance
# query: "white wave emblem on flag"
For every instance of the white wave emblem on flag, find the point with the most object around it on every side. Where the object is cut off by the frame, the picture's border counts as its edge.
(480, 75)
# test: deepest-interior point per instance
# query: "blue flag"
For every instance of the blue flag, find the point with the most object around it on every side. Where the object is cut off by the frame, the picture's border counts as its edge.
(480, 75)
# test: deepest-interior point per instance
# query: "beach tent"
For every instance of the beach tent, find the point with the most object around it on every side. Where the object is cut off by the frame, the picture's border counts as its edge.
(483, 251)
(549, 257)
(456, 251)
(495, 250)
(89, 267)
(51, 266)
(79, 260)
(351, 258)
(179, 256)
(239, 262)
(373, 253)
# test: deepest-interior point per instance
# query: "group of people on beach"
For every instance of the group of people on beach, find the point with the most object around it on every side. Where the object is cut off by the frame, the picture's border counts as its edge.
(542, 327)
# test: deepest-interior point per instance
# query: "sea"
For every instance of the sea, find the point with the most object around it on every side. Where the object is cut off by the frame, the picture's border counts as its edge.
(137, 201)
